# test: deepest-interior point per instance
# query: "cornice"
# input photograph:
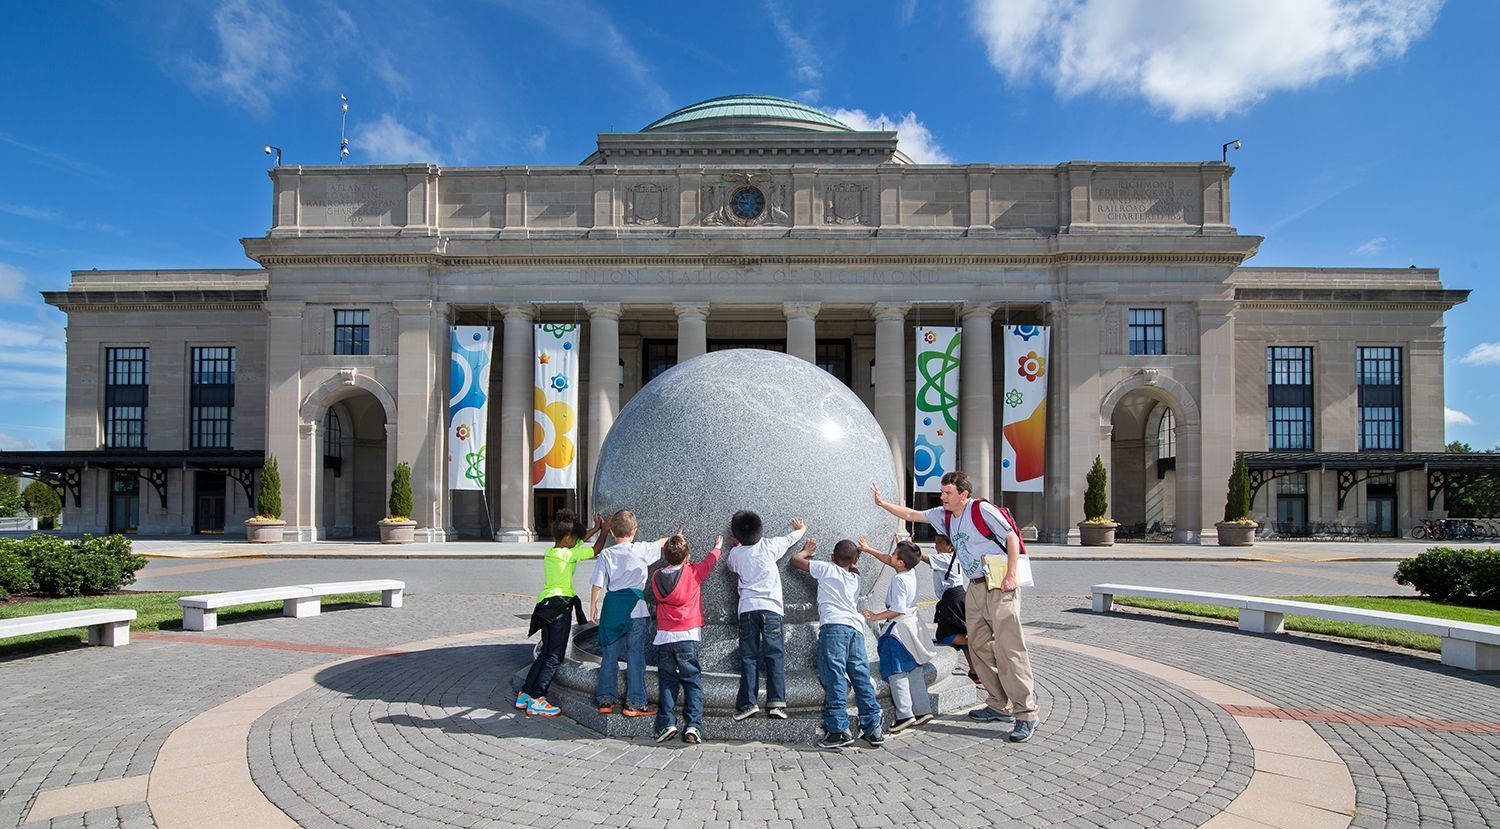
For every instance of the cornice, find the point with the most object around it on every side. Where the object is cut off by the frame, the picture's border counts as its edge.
(158, 306)
(1288, 305)
(1002, 260)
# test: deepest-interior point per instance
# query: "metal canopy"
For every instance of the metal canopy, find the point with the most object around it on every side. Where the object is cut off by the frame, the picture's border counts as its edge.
(1450, 472)
(63, 471)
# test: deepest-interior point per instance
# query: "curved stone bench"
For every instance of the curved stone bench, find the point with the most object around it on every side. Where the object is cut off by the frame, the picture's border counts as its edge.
(108, 627)
(1466, 645)
(298, 601)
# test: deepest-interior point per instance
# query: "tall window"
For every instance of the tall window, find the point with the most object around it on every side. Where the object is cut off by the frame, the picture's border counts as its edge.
(351, 332)
(1148, 331)
(656, 357)
(1379, 374)
(1289, 398)
(1166, 437)
(833, 357)
(333, 443)
(126, 380)
(212, 397)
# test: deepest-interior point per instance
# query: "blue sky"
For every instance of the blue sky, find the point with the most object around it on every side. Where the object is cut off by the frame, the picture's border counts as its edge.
(133, 132)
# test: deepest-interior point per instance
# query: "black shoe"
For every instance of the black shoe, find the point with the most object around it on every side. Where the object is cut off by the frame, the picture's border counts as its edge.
(987, 714)
(901, 725)
(666, 733)
(875, 738)
(922, 720)
(837, 739)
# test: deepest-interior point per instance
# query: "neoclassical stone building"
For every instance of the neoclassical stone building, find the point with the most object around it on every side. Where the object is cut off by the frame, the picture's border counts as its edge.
(748, 222)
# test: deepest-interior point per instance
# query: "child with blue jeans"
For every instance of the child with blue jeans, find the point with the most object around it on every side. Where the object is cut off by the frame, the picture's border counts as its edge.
(841, 645)
(678, 589)
(620, 575)
(754, 559)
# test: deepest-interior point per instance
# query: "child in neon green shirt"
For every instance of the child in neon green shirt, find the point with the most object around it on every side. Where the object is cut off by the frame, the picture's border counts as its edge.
(556, 606)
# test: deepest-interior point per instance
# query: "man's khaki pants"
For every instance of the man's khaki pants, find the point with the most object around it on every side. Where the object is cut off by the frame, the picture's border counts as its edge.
(999, 649)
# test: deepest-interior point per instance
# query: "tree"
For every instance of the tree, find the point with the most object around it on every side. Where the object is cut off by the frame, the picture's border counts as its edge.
(1237, 503)
(1095, 501)
(401, 501)
(268, 499)
(41, 500)
(1478, 498)
(10, 496)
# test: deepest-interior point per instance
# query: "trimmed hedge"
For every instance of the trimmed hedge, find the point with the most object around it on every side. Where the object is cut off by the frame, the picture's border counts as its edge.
(1447, 573)
(47, 565)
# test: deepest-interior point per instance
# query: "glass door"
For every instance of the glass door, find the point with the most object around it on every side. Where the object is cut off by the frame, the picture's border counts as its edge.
(208, 499)
(124, 502)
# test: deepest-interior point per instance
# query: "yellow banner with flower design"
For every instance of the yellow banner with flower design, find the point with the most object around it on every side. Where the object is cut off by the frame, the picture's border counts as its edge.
(554, 428)
(1023, 447)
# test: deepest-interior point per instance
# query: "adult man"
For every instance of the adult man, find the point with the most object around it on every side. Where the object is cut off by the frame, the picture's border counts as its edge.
(993, 615)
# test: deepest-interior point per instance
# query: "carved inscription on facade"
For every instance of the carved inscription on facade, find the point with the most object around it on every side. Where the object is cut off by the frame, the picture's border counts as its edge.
(847, 204)
(1141, 201)
(647, 204)
(353, 204)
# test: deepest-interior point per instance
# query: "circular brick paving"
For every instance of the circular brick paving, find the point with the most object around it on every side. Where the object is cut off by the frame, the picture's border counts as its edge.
(425, 739)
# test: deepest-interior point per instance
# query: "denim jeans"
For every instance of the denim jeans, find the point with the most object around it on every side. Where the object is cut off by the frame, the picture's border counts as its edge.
(762, 643)
(632, 646)
(680, 677)
(554, 645)
(841, 653)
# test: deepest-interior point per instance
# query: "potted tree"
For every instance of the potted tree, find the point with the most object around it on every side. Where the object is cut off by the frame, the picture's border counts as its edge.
(1237, 530)
(398, 528)
(1097, 529)
(266, 527)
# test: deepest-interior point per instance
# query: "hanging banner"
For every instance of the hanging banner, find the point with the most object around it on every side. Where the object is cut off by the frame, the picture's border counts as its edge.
(468, 404)
(935, 451)
(1023, 455)
(554, 428)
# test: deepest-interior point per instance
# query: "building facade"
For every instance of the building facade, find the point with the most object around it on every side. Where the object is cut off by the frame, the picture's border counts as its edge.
(746, 222)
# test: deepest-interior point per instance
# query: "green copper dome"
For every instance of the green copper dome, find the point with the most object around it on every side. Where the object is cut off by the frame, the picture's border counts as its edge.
(746, 112)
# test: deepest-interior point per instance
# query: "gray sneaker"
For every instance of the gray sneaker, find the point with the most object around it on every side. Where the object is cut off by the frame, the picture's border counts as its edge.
(747, 712)
(1023, 731)
(987, 714)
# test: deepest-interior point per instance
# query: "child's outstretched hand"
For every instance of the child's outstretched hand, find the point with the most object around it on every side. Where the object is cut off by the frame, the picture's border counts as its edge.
(798, 524)
(719, 542)
(810, 546)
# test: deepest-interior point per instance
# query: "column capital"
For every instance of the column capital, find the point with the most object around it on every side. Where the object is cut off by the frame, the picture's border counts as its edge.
(308, 428)
(890, 309)
(517, 311)
(412, 306)
(602, 309)
(794, 310)
(975, 309)
(690, 309)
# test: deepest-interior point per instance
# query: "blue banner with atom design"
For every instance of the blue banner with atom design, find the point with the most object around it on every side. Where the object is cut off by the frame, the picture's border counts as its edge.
(936, 448)
(468, 404)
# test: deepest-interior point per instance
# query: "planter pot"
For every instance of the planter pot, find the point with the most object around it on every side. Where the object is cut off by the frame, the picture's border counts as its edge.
(1236, 535)
(1095, 534)
(264, 532)
(397, 532)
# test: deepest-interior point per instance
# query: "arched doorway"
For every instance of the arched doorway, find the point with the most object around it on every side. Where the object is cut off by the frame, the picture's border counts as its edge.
(352, 480)
(1153, 430)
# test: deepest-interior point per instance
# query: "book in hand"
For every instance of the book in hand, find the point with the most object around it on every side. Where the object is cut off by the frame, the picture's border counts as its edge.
(995, 567)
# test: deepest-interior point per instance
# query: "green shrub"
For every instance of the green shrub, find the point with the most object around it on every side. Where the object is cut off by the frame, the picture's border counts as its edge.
(15, 569)
(1237, 501)
(1440, 573)
(10, 496)
(268, 499)
(1095, 501)
(1484, 577)
(41, 500)
(401, 502)
(87, 566)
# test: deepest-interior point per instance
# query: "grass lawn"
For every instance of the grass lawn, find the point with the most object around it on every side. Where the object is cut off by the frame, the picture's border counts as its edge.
(1347, 630)
(154, 611)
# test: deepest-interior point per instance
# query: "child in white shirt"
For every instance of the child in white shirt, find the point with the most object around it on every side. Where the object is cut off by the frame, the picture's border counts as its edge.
(841, 645)
(903, 645)
(762, 644)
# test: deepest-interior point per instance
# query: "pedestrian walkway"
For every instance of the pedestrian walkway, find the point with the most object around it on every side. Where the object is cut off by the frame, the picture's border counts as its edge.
(374, 718)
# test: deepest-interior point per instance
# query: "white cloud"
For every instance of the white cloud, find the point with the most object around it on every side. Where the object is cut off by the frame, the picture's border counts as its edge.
(808, 66)
(258, 47)
(390, 141)
(12, 281)
(1484, 354)
(912, 136)
(9, 443)
(537, 142)
(26, 350)
(1371, 247)
(1193, 58)
(1454, 417)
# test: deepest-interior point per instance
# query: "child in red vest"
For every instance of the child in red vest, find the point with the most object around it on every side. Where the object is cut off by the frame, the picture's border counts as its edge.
(679, 629)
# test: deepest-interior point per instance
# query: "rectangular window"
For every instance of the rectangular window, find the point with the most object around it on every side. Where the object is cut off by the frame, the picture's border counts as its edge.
(351, 332)
(1148, 331)
(1289, 398)
(656, 357)
(127, 378)
(212, 398)
(834, 358)
(1379, 375)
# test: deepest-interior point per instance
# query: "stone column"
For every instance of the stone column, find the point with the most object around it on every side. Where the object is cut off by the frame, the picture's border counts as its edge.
(802, 329)
(976, 399)
(283, 405)
(604, 381)
(516, 385)
(310, 468)
(1075, 426)
(418, 388)
(692, 330)
(890, 383)
(1216, 412)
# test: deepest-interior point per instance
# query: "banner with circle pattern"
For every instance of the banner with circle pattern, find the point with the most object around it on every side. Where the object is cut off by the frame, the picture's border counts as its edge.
(554, 428)
(1023, 445)
(470, 347)
(935, 451)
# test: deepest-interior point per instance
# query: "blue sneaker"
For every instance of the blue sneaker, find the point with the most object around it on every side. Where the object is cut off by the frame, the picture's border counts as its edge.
(987, 714)
(523, 700)
(1023, 731)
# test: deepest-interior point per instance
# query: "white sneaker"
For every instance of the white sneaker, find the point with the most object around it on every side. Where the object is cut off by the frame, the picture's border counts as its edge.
(777, 713)
(746, 713)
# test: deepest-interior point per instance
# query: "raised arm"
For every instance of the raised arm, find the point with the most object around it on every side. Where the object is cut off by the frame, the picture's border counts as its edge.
(904, 513)
(864, 547)
(598, 525)
(602, 541)
(802, 557)
(701, 569)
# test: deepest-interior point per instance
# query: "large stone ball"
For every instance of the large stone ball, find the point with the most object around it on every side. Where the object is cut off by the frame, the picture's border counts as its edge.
(750, 430)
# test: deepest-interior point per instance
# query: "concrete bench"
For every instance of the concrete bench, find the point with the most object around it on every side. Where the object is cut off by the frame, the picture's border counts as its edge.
(1466, 645)
(106, 626)
(298, 601)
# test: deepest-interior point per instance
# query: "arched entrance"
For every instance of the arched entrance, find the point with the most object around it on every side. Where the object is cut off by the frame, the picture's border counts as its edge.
(1154, 458)
(351, 492)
